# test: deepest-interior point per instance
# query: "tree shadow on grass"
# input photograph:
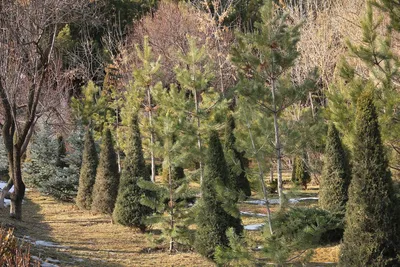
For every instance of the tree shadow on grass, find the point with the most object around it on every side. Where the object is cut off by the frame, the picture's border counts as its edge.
(33, 227)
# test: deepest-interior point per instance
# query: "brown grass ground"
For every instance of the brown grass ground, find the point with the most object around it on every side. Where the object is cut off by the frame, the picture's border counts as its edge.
(92, 240)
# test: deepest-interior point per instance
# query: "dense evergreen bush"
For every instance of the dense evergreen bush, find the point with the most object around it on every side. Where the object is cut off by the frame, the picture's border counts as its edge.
(235, 161)
(300, 174)
(87, 172)
(212, 219)
(371, 232)
(105, 188)
(128, 209)
(336, 175)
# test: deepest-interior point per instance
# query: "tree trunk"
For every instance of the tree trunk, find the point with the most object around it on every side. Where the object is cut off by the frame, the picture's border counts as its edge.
(19, 187)
(171, 204)
(261, 178)
(277, 146)
(199, 142)
(271, 175)
(152, 137)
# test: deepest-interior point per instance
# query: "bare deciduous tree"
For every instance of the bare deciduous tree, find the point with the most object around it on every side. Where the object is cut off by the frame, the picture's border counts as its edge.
(32, 83)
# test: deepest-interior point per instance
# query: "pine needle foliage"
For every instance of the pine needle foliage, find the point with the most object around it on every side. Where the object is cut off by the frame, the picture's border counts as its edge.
(107, 177)
(370, 237)
(336, 176)
(212, 218)
(87, 175)
(298, 231)
(235, 161)
(128, 209)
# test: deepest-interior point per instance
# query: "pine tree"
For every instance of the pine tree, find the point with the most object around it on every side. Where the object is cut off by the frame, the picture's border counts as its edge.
(212, 219)
(336, 175)
(370, 236)
(264, 59)
(235, 161)
(107, 178)
(300, 174)
(61, 152)
(88, 172)
(128, 209)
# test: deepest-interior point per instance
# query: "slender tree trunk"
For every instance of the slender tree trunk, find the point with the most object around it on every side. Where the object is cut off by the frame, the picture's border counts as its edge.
(277, 145)
(261, 178)
(199, 142)
(152, 137)
(171, 203)
(19, 187)
(271, 175)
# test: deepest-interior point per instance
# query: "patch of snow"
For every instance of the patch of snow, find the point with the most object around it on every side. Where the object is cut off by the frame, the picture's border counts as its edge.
(35, 258)
(252, 214)
(47, 244)
(7, 202)
(3, 184)
(275, 201)
(254, 227)
(52, 260)
(47, 264)
(78, 259)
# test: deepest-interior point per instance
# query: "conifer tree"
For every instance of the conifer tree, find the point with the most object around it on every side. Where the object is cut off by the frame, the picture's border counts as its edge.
(213, 219)
(171, 201)
(370, 236)
(105, 188)
(61, 152)
(264, 59)
(88, 172)
(300, 174)
(336, 175)
(235, 161)
(194, 74)
(128, 209)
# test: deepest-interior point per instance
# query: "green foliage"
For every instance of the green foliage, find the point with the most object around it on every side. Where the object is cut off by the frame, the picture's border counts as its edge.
(375, 68)
(301, 229)
(172, 212)
(372, 209)
(47, 164)
(235, 160)
(336, 174)
(236, 254)
(105, 188)
(300, 174)
(128, 209)
(87, 172)
(213, 219)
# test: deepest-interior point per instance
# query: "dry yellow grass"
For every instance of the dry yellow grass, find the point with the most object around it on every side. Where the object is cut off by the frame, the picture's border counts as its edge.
(88, 237)
(92, 240)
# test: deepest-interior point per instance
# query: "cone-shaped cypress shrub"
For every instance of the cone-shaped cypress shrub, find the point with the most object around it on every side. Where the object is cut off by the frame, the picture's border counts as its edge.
(300, 174)
(212, 219)
(88, 172)
(107, 178)
(370, 236)
(61, 152)
(235, 161)
(128, 210)
(335, 179)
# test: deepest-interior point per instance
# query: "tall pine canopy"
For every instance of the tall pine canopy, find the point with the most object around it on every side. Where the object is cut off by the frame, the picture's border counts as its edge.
(335, 179)
(88, 172)
(128, 209)
(107, 178)
(235, 161)
(370, 236)
(212, 219)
